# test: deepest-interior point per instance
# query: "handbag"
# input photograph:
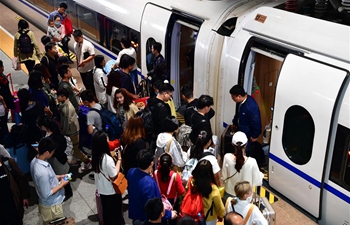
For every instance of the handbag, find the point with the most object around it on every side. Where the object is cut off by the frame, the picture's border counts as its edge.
(119, 184)
(167, 205)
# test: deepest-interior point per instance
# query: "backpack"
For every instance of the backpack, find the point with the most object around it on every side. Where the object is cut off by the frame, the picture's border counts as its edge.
(192, 204)
(189, 167)
(110, 123)
(146, 115)
(183, 137)
(167, 205)
(25, 44)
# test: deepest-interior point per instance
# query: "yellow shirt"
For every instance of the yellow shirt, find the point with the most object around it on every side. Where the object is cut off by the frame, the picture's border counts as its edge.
(218, 208)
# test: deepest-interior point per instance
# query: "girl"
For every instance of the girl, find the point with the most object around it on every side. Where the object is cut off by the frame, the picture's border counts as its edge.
(237, 166)
(202, 151)
(203, 181)
(100, 79)
(25, 55)
(113, 83)
(241, 204)
(164, 176)
(124, 106)
(106, 171)
(133, 140)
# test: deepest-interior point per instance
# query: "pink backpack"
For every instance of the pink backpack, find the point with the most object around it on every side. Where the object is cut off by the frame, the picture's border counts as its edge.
(166, 203)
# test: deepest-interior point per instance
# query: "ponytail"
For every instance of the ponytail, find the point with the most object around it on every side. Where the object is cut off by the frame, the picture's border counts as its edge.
(166, 162)
(239, 156)
(202, 139)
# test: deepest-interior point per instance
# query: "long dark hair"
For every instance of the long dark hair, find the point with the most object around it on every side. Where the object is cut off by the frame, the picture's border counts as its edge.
(239, 156)
(203, 178)
(166, 161)
(98, 60)
(113, 80)
(24, 97)
(99, 149)
(127, 100)
(202, 139)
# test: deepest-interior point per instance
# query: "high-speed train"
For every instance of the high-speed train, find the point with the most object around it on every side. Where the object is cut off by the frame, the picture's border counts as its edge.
(295, 66)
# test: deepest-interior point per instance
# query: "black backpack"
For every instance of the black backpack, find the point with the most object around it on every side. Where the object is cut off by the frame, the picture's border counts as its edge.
(147, 117)
(25, 44)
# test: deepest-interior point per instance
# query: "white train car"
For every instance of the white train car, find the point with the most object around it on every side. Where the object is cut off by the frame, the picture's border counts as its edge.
(296, 67)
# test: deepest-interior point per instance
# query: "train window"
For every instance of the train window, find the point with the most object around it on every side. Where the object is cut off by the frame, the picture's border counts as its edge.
(340, 167)
(298, 134)
(149, 55)
(87, 21)
(227, 28)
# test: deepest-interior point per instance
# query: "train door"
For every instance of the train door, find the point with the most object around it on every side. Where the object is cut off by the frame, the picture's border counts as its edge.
(305, 116)
(153, 28)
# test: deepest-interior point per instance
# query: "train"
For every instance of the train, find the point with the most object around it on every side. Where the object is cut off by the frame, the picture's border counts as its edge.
(292, 56)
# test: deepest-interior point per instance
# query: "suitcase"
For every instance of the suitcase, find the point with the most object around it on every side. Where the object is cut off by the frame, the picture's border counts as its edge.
(267, 211)
(99, 207)
(85, 139)
(19, 154)
(226, 141)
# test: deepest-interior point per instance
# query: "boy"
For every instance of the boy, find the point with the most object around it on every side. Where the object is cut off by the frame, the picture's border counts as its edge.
(53, 32)
(70, 126)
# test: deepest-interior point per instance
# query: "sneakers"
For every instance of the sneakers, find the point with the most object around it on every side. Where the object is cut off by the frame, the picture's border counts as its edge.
(85, 166)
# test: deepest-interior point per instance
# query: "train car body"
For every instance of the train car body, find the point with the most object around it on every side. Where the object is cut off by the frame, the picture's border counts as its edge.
(296, 67)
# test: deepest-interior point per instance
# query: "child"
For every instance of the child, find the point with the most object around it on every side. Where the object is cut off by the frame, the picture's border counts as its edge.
(124, 106)
(53, 32)
(241, 204)
(70, 125)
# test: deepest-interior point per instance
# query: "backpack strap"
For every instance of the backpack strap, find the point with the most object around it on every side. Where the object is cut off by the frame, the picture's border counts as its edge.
(205, 154)
(248, 214)
(210, 211)
(168, 145)
(228, 200)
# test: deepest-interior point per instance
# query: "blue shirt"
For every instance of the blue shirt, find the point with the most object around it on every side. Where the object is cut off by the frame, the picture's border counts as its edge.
(141, 187)
(45, 179)
(53, 14)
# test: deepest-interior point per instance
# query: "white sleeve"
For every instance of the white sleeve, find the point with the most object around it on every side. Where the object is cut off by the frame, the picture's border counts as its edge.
(91, 49)
(224, 168)
(100, 79)
(257, 176)
(177, 154)
(215, 164)
(108, 166)
(118, 57)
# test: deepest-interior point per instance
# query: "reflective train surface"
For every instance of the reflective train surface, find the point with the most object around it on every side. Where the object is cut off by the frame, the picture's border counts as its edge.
(295, 65)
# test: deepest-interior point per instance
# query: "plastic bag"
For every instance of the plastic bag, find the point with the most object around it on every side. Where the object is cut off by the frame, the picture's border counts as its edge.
(15, 64)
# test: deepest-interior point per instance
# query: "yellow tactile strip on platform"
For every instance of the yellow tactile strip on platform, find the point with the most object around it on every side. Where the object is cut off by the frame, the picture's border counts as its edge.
(6, 45)
(262, 192)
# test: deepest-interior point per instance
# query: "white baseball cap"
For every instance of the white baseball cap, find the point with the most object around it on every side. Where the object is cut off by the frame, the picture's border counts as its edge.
(239, 137)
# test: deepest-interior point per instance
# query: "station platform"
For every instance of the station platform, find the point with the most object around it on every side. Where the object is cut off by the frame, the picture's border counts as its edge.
(82, 206)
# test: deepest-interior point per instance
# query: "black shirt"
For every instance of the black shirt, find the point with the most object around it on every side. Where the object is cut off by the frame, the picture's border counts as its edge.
(8, 211)
(160, 110)
(130, 152)
(5, 91)
(200, 123)
(191, 108)
(52, 66)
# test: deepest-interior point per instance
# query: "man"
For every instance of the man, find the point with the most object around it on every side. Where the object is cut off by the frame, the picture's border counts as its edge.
(142, 187)
(159, 108)
(191, 107)
(49, 186)
(70, 125)
(155, 211)
(93, 118)
(130, 51)
(158, 58)
(233, 218)
(247, 118)
(85, 53)
(50, 60)
(60, 11)
(199, 119)
(66, 75)
(6, 102)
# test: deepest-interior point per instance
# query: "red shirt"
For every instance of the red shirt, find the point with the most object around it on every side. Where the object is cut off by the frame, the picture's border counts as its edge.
(176, 187)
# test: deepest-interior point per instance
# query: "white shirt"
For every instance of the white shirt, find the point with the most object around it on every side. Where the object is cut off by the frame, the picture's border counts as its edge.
(249, 172)
(130, 52)
(110, 100)
(79, 50)
(100, 84)
(211, 158)
(104, 186)
(242, 207)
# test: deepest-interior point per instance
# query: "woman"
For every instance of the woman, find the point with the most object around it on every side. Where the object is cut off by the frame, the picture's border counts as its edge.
(237, 166)
(167, 143)
(35, 83)
(30, 110)
(133, 140)
(113, 83)
(204, 182)
(165, 177)
(124, 107)
(106, 171)
(202, 150)
(27, 52)
(58, 161)
(100, 78)
(241, 204)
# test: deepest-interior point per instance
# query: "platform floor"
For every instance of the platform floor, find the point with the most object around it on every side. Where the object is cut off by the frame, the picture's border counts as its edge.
(82, 206)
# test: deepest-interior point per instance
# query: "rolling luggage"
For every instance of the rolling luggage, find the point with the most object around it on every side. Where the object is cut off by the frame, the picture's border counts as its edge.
(19, 153)
(226, 141)
(267, 210)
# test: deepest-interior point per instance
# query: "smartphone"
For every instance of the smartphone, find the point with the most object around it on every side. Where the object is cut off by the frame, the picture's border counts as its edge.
(58, 220)
(35, 145)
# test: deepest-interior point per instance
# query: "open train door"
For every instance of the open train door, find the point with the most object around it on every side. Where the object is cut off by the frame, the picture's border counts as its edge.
(307, 103)
(153, 28)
